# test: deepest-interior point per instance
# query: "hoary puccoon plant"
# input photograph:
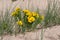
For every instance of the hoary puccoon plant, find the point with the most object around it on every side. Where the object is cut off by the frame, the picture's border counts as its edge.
(26, 20)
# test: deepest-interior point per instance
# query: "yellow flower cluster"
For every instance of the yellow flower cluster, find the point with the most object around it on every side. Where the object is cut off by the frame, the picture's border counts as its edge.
(27, 18)
(20, 23)
(31, 15)
(28, 13)
(15, 12)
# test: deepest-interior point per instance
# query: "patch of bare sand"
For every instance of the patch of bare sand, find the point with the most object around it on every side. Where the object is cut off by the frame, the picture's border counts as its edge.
(49, 34)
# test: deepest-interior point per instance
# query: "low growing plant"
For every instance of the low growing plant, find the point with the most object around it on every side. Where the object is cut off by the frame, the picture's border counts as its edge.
(52, 15)
(26, 20)
(5, 23)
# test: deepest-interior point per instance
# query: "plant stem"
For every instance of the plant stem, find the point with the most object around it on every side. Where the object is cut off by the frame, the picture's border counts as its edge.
(42, 31)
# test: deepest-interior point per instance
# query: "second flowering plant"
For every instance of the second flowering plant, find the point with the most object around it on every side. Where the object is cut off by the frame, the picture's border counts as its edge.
(26, 19)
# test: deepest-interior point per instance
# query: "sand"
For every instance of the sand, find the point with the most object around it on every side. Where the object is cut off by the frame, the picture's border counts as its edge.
(52, 33)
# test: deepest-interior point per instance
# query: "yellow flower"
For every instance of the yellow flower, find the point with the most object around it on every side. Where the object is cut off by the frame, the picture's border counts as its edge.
(20, 23)
(37, 15)
(17, 9)
(42, 17)
(28, 17)
(26, 11)
(31, 19)
(14, 13)
(34, 13)
(29, 14)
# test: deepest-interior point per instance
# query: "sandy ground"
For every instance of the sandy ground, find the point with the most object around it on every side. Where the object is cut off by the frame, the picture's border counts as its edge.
(52, 33)
(26, 4)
